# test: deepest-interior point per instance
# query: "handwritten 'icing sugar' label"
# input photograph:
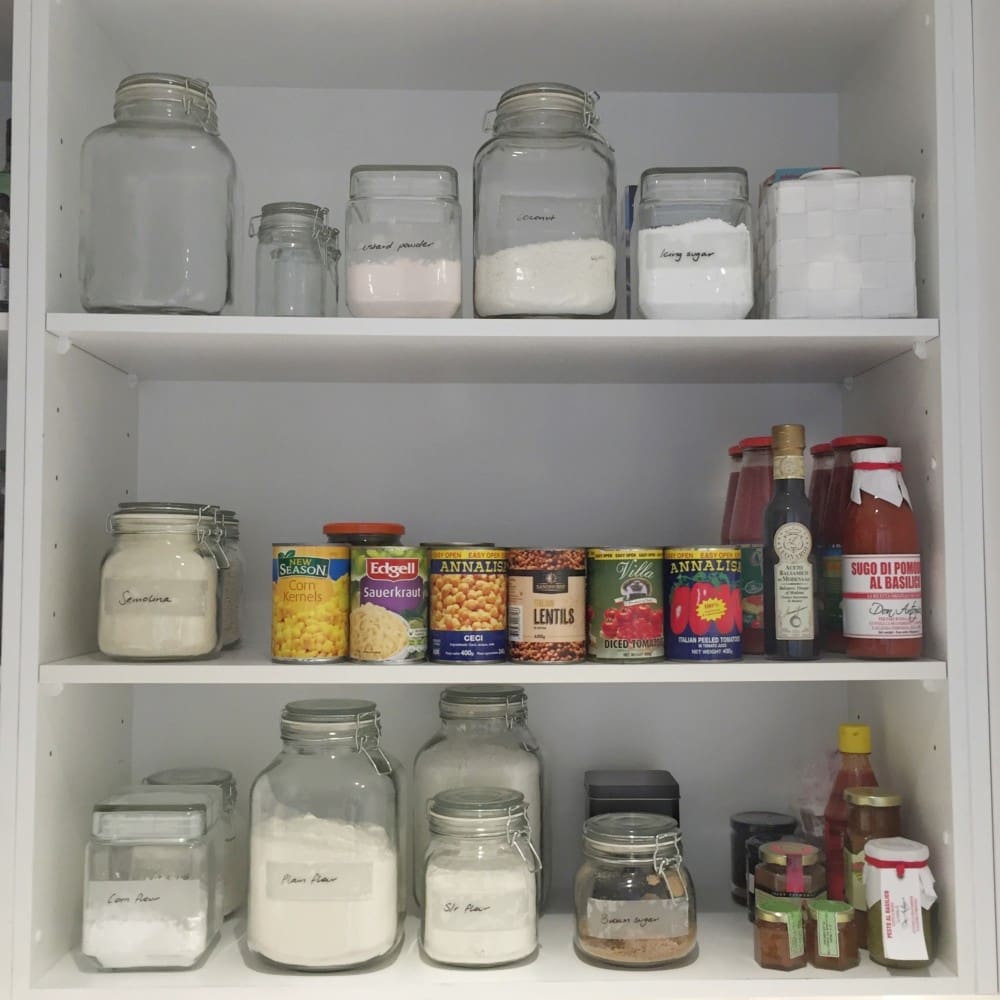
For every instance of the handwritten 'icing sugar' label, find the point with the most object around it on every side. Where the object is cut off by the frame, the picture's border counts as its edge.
(641, 918)
(478, 910)
(160, 899)
(299, 882)
(166, 598)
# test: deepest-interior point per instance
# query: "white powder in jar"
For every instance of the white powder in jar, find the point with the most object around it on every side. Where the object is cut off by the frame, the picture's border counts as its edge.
(479, 913)
(144, 942)
(323, 892)
(405, 288)
(558, 278)
(696, 270)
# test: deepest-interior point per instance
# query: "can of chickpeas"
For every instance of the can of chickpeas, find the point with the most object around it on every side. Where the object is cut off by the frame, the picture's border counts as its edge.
(547, 605)
(311, 595)
(468, 603)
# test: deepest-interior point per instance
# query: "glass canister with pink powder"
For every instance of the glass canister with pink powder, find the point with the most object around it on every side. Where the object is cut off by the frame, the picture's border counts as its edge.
(404, 242)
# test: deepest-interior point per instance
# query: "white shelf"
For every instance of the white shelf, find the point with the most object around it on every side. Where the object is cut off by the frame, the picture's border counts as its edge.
(470, 350)
(724, 967)
(253, 666)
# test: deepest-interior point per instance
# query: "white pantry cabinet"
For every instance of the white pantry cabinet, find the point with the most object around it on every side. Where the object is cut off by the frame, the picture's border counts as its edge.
(560, 433)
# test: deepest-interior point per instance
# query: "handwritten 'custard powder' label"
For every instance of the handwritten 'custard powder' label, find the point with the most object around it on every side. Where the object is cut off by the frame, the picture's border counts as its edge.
(302, 882)
(157, 899)
(477, 910)
(641, 918)
(882, 596)
(173, 598)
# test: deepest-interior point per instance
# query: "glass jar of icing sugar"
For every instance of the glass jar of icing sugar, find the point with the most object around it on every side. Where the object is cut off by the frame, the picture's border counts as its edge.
(484, 740)
(160, 593)
(545, 207)
(153, 885)
(479, 878)
(328, 835)
(403, 238)
(691, 244)
(234, 860)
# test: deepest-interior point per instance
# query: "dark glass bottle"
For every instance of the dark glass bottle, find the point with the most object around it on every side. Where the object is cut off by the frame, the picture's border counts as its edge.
(789, 588)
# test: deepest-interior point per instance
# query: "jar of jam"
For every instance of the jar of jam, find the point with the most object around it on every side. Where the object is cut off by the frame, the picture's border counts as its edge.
(363, 533)
(779, 937)
(831, 935)
(871, 813)
(789, 870)
(742, 826)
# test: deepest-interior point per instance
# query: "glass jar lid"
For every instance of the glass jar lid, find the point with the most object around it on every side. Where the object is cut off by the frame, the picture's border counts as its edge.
(329, 718)
(193, 95)
(147, 514)
(484, 701)
(843, 913)
(704, 184)
(476, 811)
(877, 797)
(158, 815)
(905, 852)
(632, 837)
(775, 910)
(217, 776)
(380, 180)
(548, 96)
(779, 852)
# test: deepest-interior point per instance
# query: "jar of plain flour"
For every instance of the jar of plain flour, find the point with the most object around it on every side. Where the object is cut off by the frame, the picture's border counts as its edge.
(327, 825)
(691, 245)
(159, 595)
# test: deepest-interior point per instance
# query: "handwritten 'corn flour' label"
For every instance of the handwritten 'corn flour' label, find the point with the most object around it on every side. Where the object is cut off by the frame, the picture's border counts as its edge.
(167, 598)
(158, 899)
(903, 902)
(793, 583)
(882, 596)
(302, 882)
(477, 910)
(640, 918)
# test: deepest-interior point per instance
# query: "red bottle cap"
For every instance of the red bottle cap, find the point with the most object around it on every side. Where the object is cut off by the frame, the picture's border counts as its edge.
(821, 449)
(735, 451)
(757, 442)
(860, 441)
(363, 528)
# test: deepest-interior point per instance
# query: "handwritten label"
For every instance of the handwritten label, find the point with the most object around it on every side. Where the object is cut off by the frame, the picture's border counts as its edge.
(171, 598)
(375, 241)
(552, 216)
(641, 918)
(162, 898)
(299, 882)
(479, 910)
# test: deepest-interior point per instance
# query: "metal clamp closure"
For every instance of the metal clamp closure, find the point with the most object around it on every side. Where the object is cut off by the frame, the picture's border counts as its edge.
(663, 861)
(522, 833)
(372, 743)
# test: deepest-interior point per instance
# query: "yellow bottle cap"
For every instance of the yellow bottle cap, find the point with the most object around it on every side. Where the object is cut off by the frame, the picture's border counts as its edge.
(855, 739)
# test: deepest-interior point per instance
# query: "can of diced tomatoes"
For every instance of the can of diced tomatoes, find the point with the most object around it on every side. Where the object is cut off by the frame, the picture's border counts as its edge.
(625, 604)
(311, 595)
(704, 601)
(546, 605)
(468, 604)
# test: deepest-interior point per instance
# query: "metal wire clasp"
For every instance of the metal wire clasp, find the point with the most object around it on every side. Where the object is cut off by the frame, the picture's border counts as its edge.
(361, 743)
(522, 833)
(663, 860)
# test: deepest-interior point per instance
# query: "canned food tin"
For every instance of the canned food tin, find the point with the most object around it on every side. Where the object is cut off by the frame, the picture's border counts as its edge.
(310, 586)
(388, 604)
(704, 597)
(547, 605)
(625, 604)
(468, 605)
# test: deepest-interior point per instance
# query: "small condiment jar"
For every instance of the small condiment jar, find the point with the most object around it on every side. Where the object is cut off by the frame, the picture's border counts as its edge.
(831, 935)
(364, 533)
(871, 813)
(789, 870)
(779, 937)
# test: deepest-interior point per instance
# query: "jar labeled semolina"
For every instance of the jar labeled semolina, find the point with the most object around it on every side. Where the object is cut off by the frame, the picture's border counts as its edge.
(831, 935)
(311, 596)
(779, 935)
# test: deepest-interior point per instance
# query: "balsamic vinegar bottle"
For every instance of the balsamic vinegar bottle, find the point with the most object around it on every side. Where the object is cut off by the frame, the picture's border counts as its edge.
(789, 589)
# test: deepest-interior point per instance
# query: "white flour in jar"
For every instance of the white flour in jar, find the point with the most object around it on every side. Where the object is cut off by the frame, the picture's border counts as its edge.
(696, 270)
(559, 278)
(405, 288)
(323, 892)
(477, 913)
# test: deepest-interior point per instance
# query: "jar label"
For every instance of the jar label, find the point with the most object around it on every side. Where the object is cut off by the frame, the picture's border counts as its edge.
(177, 899)
(902, 896)
(761, 894)
(796, 939)
(531, 218)
(793, 583)
(156, 598)
(400, 239)
(827, 935)
(640, 918)
(303, 882)
(752, 586)
(389, 591)
(473, 909)
(882, 596)
(712, 246)
(854, 879)
(830, 573)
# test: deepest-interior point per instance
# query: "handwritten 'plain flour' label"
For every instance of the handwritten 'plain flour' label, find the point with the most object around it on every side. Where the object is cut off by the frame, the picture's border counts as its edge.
(642, 918)
(173, 598)
(882, 596)
(793, 583)
(477, 911)
(301, 882)
(148, 899)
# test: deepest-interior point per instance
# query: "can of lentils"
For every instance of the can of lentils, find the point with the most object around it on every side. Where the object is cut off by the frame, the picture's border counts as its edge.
(704, 598)
(311, 592)
(625, 604)
(547, 605)
(388, 604)
(468, 603)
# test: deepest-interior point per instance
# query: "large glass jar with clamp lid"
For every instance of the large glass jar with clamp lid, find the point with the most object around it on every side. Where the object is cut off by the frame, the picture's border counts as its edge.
(545, 212)
(634, 897)
(479, 874)
(484, 740)
(328, 835)
(156, 202)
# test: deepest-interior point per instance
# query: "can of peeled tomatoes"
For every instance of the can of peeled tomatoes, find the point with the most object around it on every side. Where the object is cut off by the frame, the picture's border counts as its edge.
(625, 604)
(704, 598)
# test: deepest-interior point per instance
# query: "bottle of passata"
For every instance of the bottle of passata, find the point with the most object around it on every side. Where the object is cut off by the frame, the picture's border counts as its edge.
(881, 561)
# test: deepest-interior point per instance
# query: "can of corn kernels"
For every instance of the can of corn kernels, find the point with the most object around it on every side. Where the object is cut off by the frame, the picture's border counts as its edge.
(468, 604)
(311, 588)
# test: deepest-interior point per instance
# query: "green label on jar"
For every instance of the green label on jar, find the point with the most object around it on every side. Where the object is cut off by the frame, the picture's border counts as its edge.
(827, 935)
(854, 879)
(796, 939)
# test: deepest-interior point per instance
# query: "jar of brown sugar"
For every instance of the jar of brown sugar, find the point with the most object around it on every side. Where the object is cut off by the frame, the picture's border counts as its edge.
(779, 937)
(831, 935)
(789, 870)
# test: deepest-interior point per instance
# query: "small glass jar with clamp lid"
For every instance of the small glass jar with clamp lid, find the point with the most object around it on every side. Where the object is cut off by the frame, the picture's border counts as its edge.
(296, 260)
(328, 838)
(160, 590)
(480, 879)
(635, 901)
